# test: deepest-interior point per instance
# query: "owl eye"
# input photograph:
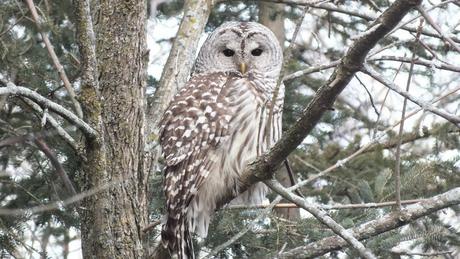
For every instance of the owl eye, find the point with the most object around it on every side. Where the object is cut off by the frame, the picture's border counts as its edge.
(256, 52)
(228, 52)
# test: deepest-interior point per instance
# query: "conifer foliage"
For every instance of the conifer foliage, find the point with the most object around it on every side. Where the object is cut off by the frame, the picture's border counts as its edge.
(379, 155)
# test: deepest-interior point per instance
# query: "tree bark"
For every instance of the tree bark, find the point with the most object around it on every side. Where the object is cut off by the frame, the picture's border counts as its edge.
(112, 220)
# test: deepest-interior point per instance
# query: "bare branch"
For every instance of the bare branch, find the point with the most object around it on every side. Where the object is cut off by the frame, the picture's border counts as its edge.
(55, 59)
(311, 70)
(418, 61)
(426, 106)
(44, 102)
(372, 228)
(323, 217)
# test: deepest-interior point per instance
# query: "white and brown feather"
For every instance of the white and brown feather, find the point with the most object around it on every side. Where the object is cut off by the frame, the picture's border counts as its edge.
(214, 126)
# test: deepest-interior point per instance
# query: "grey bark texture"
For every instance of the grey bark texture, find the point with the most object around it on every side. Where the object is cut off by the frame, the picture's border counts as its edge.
(113, 104)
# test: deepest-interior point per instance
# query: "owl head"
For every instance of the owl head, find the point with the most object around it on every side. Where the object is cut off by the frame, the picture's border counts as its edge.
(241, 47)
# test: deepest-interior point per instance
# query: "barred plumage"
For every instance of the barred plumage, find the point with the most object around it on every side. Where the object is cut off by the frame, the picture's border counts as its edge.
(215, 125)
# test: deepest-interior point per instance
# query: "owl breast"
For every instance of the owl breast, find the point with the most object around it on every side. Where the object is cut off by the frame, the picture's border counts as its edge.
(248, 138)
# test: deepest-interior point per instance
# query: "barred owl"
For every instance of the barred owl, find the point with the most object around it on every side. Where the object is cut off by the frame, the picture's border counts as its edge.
(215, 125)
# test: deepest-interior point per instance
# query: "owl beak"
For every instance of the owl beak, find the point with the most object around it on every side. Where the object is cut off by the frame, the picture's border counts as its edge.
(243, 68)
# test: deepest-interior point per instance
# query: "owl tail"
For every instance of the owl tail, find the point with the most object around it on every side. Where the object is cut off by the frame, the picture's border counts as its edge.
(176, 237)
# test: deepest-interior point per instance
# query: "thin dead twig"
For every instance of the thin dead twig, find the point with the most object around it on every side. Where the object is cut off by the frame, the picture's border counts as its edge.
(437, 28)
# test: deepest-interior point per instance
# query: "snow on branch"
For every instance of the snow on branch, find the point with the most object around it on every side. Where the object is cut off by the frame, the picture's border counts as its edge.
(372, 228)
(426, 106)
(322, 216)
(13, 89)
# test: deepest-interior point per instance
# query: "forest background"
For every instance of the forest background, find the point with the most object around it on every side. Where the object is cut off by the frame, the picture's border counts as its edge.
(371, 120)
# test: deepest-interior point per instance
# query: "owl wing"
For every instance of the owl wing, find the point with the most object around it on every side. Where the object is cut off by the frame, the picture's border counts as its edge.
(196, 120)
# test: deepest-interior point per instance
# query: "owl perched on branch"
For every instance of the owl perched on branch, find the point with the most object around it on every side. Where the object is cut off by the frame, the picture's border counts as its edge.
(217, 124)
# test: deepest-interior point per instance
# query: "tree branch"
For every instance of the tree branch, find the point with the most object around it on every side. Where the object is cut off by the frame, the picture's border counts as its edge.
(41, 144)
(264, 166)
(426, 106)
(372, 228)
(437, 28)
(321, 216)
(418, 61)
(59, 130)
(68, 115)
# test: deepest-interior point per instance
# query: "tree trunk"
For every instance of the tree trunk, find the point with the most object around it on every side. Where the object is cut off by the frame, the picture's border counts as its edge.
(113, 218)
(272, 16)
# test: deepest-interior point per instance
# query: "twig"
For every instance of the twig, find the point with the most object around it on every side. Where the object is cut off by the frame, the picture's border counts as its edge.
(371, 72)
(321, 216)
(13, 89)
(383, 224)
(418, 61)
(437, 28)
(369, 94)
(248, 227)
(401, 130)
(55, 59)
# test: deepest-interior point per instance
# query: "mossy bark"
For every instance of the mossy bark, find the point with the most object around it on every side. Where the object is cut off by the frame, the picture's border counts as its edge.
(112, 220)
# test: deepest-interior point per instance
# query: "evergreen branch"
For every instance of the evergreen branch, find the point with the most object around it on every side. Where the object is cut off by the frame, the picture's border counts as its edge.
(248, 227)
(55, 59)
(13, 89)
(418, 62)
(375, 227)
(321, 216)
(425, 106)
(438, 29)
(264, 166)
